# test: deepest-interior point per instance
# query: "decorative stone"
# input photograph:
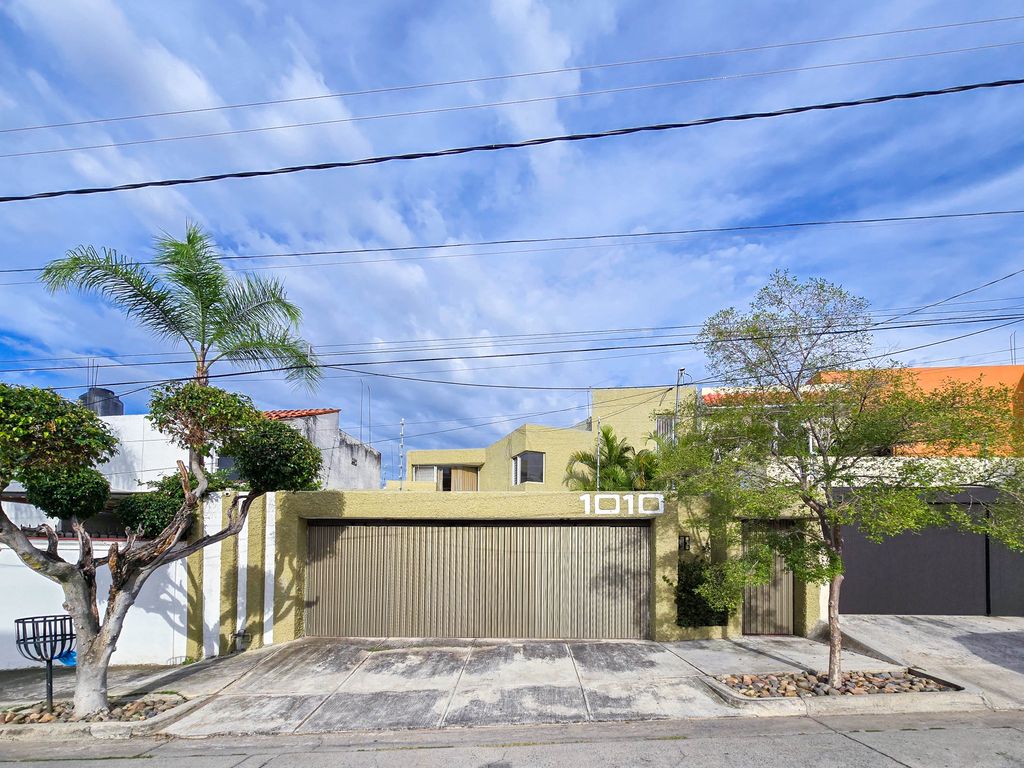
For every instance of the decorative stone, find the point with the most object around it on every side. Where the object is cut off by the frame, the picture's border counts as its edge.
(854, 683)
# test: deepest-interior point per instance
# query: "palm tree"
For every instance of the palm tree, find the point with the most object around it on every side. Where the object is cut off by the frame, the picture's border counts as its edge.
(191, 298)
(622, 467)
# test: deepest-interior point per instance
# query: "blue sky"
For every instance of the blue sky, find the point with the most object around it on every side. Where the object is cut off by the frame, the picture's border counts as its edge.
(72, 60)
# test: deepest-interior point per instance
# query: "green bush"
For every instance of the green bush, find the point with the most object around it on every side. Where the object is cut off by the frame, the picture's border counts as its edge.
(40, 431)
(692, 608)
(271, 456)
(199, 417)
(153, 510)
(66, 493)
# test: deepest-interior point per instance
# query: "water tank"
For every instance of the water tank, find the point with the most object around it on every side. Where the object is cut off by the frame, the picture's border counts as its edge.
(102, 402)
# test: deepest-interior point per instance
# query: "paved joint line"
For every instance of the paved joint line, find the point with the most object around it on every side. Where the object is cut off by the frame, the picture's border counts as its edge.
(683, 659)
(270, 654)
(858, 741)
(455, 688)
(331, 693)
(586, 701)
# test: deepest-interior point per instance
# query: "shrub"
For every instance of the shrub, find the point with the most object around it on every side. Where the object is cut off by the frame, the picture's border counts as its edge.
(67, 492)
(692, 608)
(40, 430)
(271, 456)
(153, 510)
(200, 417)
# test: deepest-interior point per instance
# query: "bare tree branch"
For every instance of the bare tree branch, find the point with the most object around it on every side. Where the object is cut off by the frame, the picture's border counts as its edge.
(50, 565)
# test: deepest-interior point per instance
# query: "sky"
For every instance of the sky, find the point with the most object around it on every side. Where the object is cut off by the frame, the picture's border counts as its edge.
(79, 60)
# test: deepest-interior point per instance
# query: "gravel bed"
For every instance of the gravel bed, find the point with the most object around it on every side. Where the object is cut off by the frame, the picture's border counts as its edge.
(801, 684)
(126, 710)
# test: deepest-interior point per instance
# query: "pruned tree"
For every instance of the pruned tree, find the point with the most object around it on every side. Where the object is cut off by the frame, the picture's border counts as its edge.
(50, 445)
(800, 433)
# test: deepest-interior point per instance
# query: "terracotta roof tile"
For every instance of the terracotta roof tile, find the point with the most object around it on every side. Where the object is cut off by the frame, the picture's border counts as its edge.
(298, 413)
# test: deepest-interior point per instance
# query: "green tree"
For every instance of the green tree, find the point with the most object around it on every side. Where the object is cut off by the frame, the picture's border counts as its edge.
(622, 468)
(801, 435)
(50, 444)
(191, 299)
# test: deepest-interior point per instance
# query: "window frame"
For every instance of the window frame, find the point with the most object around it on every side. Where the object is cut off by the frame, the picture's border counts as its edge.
(516, 468)
(433, 478)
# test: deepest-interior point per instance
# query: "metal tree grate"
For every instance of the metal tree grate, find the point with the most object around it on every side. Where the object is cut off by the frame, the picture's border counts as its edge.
(45, 638)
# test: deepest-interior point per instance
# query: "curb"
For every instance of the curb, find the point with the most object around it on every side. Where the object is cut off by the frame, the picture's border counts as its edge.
(963, 699)
(105, 730)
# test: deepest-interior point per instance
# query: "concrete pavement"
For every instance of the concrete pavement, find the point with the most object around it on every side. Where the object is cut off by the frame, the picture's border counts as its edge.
(985, 740)
(986, 652)
(321, 685)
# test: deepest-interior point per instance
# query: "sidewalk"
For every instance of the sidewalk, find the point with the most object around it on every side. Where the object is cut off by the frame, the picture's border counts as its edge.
(984, 651)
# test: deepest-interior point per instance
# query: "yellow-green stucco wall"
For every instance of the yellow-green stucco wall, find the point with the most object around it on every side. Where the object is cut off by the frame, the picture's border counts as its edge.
(630, 412)
(292, 511)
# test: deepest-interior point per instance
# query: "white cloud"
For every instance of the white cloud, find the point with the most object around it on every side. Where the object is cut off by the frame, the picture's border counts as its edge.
(74, 60)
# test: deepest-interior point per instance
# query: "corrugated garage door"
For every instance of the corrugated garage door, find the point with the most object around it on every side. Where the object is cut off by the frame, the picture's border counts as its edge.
(768, 608)
(414, 579)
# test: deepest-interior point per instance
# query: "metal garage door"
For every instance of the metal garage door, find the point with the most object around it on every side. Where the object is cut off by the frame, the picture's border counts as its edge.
(413, 579)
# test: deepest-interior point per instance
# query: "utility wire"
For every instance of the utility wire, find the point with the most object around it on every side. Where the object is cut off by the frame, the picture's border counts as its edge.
(628, 236)
(489, 341)
(711, 381)
(856, 326)
(519, 75)
(505, 103)
(650, 128)
(664, 345)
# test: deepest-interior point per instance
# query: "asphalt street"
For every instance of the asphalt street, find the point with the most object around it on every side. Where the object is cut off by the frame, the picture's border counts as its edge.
(979, 739)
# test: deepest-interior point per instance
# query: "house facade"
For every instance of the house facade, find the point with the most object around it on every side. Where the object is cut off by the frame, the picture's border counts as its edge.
(940, 571)
(533, 458)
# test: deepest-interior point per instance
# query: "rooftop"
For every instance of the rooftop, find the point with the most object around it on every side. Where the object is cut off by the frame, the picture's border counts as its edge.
(298, 413)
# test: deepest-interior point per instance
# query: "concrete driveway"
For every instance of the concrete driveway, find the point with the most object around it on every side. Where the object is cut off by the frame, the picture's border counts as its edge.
(986, 652)
(327, 685)
(321, 685)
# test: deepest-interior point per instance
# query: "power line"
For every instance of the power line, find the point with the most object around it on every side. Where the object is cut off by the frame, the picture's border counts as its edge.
(721, 381)
(453, 151)
(504, 103)
(487, 341)
(664, 345)
(519, 75)
(856, 326)
(628, 236)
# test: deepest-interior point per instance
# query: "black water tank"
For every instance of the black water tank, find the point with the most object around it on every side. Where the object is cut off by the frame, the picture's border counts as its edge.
(102, 402)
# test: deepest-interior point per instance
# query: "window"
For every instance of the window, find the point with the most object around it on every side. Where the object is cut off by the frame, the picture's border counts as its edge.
(528, 467)
(444, 478)
(226, 464)
(664, 426)
(423, 473)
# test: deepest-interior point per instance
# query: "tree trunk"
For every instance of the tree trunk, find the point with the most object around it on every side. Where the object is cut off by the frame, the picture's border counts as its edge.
(91, 681)
(835, 635)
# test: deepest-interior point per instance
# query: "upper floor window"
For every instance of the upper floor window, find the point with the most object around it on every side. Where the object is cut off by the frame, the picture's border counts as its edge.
(423, 473)
(528, 467)
(664, 426)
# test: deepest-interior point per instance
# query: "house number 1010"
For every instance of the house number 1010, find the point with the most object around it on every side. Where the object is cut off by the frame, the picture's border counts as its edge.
(611, 504)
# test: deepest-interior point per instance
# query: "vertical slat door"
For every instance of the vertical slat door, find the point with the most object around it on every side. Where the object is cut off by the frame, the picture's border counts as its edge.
(528, 580)
(768, 608)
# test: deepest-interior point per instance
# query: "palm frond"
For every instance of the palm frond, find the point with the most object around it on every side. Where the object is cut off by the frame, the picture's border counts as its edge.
(254, 302)
(255, 347)
(192, 267)
(127, 285)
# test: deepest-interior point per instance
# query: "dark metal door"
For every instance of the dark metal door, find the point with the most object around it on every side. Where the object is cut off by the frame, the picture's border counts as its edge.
(768, 609)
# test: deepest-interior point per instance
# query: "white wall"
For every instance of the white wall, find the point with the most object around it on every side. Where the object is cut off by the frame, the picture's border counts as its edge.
(143, 454)
(347, 462)
(154, 631)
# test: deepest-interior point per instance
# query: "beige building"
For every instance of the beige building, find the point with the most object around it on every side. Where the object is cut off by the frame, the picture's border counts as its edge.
(534, 457)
